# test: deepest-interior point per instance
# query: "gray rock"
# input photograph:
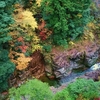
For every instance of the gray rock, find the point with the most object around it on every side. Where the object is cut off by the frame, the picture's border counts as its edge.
(95, 67)
(59, 72)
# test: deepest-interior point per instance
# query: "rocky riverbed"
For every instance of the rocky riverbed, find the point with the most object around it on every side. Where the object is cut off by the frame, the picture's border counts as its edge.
(79, 57)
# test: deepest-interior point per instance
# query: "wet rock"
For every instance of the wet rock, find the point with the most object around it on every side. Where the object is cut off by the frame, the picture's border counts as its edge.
(58, 74)
(82, 56)
(91, 73)
(49, 72)
(48, 69)
(92, 56)
(75, 65)
(95, 67)
(62, 72)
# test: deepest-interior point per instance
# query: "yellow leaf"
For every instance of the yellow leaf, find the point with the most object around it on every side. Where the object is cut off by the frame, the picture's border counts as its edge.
(79, 15)
(91, 35)
(71, 43)
(38, 2)
(28, 19)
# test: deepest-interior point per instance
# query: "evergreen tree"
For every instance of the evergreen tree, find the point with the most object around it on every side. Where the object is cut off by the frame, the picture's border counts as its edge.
(6, 66)
(66, 18)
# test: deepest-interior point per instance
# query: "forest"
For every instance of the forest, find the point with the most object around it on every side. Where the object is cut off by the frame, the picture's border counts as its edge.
(49, 49)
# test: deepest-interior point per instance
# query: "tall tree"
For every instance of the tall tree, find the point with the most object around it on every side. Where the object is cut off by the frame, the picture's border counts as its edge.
(66, 18)
(6, 66)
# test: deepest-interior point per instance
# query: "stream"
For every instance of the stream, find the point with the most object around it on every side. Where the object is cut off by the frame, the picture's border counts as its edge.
(70, 78)
(73, 76)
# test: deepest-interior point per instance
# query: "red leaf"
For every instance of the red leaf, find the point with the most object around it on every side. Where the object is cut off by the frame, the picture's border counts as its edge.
(97, 99)
(20, 39)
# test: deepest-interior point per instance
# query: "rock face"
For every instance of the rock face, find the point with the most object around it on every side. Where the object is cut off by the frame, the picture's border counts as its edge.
(35, 68)
(97, 3)
(91, 73)
(95, 12)
(80, 56)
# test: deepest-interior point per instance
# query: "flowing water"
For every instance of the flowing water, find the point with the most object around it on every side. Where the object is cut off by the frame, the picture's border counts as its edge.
(73, 75)
(70, 78)
(51, 82)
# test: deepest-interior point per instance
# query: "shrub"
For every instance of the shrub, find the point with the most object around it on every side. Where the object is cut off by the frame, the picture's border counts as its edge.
(65, 18)
(86, 88)
(62, 95)
(6, 66)
(81, 89)
(31, 90)
(47, 48)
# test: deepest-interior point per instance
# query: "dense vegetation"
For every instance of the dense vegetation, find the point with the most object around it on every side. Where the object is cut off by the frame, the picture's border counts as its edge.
(31, 90)
(35, 26)
(82, 89)
(6, 66)
(66, 19)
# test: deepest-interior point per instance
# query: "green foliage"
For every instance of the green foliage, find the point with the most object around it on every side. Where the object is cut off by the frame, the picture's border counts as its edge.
(6, 66)
(31, 90)
(81, 88)
(63, 95)
(87, 88)
(5, 71)
(66, 18)
(27, 3)
(47, 48)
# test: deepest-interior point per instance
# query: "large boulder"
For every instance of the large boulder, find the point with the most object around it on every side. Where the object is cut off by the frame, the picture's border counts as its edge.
(79, 57)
